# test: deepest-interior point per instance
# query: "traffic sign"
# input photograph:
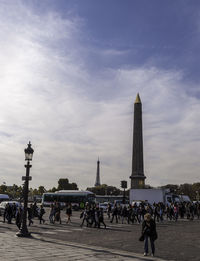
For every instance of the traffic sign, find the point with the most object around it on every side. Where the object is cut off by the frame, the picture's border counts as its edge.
(26, 178)
(124, 184)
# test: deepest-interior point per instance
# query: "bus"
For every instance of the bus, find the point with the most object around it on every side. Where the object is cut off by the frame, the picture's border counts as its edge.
(75, 197)
(4, 197)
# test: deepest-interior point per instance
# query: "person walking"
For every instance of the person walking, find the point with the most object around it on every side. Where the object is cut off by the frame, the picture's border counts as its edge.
(101, 218)
(41, 214)
(109, 210)
(86, 216)
(68, 212)
(57, 212)
(149, 233)
(52, 213)
(35, 210)
(114, 214)
(30, 214)
(9, 213)
(18, 218)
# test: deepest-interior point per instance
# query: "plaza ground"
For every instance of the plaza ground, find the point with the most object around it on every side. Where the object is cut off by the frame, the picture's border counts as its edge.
(177, 241)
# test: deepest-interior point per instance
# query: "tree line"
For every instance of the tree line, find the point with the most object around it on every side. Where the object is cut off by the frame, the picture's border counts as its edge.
(15, 191)
(191, 190)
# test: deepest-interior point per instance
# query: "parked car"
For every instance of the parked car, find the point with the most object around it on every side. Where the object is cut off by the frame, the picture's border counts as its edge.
(104, 206)
(4, 203)
(121, 203)
(138, 203)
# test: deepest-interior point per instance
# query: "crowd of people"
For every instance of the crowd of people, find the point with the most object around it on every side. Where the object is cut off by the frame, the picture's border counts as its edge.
(92, 215)
(14, 212)
(143, 213)
(135, 212)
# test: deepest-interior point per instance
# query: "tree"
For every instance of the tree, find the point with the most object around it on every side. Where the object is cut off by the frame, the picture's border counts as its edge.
(3, 189)
(105, 190)
(54, 189)
(41, 190)
(196, 191)
(63, 184)
(171, 187)
(35, 192)
(186, 189)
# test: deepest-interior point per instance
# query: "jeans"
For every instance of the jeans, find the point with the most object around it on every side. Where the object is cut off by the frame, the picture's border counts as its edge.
(146, 244)
(51, 217)
(113, 218)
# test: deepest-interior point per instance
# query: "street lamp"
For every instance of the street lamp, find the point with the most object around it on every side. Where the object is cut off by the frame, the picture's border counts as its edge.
(28, 156)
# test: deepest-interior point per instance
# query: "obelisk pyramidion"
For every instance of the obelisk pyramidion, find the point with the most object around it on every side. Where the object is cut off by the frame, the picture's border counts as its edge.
(137, 176)
(97, 183)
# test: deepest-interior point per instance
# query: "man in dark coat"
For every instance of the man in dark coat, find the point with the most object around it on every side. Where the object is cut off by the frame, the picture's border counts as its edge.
(114, 213)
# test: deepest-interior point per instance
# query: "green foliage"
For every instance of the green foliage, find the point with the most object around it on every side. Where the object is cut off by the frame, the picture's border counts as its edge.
(41, 190)
(53, 190)
(3, 189)
(173, 188)
(191, 190)
(63, 184)
(13, 191)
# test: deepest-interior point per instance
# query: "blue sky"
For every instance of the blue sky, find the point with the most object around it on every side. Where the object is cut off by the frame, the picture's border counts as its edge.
(70, 72)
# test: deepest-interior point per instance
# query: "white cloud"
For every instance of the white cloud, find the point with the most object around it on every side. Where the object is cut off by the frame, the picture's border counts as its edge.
(73, 115)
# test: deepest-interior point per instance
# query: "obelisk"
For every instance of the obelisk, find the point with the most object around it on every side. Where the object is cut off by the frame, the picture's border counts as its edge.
(137, 176)
(97, 183)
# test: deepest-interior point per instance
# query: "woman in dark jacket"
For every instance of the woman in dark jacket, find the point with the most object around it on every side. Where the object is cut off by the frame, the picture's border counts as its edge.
(149, 232)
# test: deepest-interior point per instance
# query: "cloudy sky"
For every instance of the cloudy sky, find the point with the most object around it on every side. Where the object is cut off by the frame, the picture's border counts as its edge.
(69, 74)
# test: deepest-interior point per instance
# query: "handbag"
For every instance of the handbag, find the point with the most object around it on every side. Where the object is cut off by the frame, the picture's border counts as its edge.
(141, 238)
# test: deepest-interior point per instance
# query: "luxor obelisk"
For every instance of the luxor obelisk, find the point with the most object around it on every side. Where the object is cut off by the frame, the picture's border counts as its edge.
(137, 176)
(97, 183)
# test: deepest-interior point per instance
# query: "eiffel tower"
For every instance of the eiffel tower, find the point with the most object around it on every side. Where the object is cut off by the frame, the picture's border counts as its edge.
(97, 183)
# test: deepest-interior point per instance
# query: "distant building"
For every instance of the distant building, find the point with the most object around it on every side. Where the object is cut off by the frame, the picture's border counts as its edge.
(97, 183)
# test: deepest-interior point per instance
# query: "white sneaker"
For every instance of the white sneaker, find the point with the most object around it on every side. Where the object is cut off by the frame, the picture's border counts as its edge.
(152, 254)
(145, 254)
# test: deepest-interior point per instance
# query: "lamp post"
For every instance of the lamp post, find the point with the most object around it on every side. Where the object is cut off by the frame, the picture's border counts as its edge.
(28, 156)
(124, 186)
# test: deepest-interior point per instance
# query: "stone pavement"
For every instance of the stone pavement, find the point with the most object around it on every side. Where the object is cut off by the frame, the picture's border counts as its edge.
(39, 248)
(177, 241)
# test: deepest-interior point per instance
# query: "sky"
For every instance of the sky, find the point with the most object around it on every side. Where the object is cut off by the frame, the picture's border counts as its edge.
(70, 71)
